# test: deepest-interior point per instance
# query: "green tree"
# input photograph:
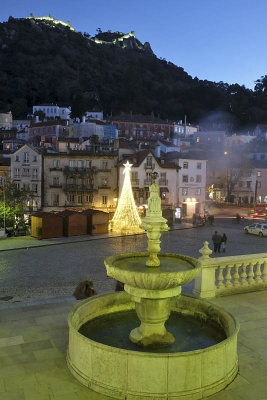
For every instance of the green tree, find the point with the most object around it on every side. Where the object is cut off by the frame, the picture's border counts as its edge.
(12, 203)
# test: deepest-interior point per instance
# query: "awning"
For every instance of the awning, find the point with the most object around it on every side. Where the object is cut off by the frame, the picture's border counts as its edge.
(164, 189)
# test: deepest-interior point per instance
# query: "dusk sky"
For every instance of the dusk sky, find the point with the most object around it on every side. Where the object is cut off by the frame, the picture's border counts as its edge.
(218, 40)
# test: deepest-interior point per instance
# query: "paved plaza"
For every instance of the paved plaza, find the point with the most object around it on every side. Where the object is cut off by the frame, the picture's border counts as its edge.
(40, 280)
(33, 343)
(55, 270)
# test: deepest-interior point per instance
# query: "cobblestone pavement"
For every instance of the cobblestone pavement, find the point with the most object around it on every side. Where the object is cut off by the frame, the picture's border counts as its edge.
(54, 271)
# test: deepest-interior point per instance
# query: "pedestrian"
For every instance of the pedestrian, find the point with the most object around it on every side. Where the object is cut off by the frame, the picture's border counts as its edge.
(223, 242)
(238, 218)
(216, 238)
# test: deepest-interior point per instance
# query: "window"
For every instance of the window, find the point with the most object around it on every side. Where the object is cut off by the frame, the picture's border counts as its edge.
(155, 126)
(71, 198)
(55, 180)
(89, 164)
(262, 156)
(248, 184)
(26, 157)
(104, 181)
(56, 163)
(198, 178)
(17, 185)
(34, 158)
(185, 165)
(35, 188)
(80, 198)
(198, 192)
(104, 164)
(259, 173)
(104, 200)
(55, 199)
(72, 164)
(134, 175)
(26, 172)
(89, 198)
(163, 175)
(34, 172)
(185, 178)
(17, 172)
(185, 191)
(199, 165)
(26, 186)
(149, 161)
(17, 158)
(80, 164)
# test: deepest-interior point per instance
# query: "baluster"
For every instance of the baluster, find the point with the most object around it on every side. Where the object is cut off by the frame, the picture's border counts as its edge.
(251, 273)
(236, 275)
(228, 276)
(220, 278)
(244, 275)
(258, 272)
(264, 272)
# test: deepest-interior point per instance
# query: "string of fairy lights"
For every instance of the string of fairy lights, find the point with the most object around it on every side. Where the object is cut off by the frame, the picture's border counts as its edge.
(126, 217)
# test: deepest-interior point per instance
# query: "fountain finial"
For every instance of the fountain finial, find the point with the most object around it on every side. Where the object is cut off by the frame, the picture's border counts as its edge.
(154, 224)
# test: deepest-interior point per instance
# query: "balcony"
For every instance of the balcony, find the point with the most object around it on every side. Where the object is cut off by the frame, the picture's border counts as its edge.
(135, 182)
(79, 170)
(55, 169)
(163, 182)
(78, 188)
(55, 185)
(147, 182)
(150, 166)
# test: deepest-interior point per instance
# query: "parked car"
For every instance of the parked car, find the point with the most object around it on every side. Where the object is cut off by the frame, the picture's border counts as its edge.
(256, 229)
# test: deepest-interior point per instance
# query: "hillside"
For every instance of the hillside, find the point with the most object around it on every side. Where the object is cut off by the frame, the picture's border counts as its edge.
(43, 60)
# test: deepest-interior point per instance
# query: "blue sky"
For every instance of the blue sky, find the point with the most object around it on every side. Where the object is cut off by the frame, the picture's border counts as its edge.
(218, 40)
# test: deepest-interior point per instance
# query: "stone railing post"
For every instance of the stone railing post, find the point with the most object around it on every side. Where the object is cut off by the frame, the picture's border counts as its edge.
(205, 281)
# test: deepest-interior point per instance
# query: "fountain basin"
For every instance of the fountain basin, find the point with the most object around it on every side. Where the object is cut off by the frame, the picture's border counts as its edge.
(130, 268)
(133, 375)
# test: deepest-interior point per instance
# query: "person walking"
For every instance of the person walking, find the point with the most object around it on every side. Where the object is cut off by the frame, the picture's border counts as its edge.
(216, 238)
(223, 242)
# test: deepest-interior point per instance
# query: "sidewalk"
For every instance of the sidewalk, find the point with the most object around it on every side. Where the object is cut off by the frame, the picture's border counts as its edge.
(34, 339)
(24, 242)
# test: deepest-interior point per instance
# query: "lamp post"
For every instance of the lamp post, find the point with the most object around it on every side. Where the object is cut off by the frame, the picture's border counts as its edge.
(4, 193)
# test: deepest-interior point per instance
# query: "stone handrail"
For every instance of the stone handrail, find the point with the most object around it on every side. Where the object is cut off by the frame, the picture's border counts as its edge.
(230, 275)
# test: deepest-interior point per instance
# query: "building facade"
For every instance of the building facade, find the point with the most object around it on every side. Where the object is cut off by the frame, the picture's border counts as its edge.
(141, 126)
(144, 163)
(26, 172)
(53, 111)
(6, 120)
(80, 180)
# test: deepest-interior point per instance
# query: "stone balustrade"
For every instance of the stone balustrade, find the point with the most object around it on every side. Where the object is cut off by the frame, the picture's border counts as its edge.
(229, 275)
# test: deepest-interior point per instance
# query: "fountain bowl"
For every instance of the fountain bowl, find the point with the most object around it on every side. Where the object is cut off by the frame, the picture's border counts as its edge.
(130, 268)
(134, 375)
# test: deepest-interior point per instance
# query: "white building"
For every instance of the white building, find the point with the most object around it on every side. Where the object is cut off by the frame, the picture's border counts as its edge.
(144, 163)
(53, 111)
(180, 129)
(192, 185)
(26, 172)
(87, 129)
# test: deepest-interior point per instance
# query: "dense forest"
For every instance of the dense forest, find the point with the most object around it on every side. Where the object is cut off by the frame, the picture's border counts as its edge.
(43, 62)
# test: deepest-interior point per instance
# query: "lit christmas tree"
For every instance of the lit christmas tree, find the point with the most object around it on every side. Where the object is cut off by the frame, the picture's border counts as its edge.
(126, 218)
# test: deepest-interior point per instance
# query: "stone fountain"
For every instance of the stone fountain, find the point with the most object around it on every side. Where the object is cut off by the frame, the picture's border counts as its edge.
(110, 354)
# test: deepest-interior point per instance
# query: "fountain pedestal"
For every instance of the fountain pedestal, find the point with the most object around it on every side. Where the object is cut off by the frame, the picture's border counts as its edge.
(153, 314)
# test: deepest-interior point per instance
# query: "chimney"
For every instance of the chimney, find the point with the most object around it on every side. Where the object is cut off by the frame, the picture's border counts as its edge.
(157, 151)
